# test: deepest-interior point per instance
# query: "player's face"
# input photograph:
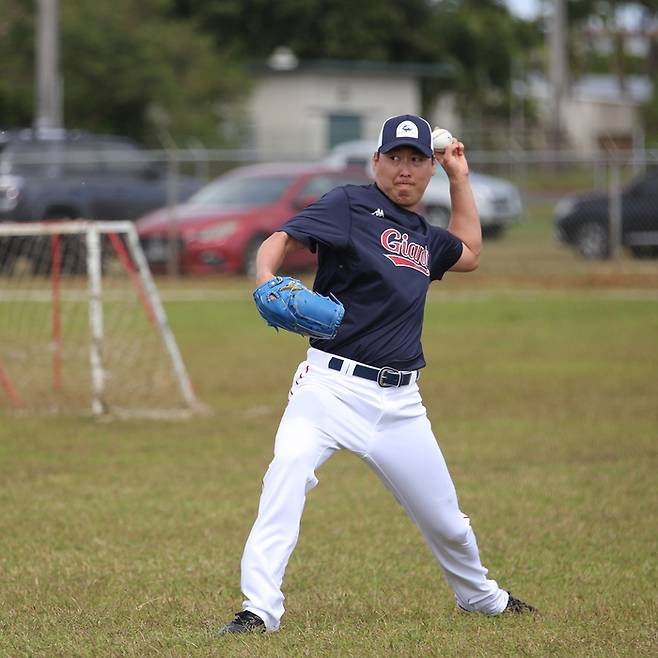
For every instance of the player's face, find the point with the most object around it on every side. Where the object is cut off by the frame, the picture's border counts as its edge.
(402, 175)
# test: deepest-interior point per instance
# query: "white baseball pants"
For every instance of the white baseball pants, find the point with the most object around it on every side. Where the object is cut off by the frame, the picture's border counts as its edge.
(389, 429)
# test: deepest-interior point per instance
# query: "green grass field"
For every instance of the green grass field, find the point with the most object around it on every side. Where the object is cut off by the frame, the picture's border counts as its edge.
(124, 538)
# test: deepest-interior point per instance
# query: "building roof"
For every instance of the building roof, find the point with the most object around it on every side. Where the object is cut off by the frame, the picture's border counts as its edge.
(606, 88)
(601, 88)
(284, 61)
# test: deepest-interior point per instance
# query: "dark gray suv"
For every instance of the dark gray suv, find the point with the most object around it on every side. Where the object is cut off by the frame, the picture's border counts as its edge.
(62, 173)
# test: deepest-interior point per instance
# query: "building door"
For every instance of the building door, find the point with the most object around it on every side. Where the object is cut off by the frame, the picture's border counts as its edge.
(343, 128)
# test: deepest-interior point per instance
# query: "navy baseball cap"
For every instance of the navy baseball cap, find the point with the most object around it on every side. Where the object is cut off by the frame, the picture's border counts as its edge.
(406, 130)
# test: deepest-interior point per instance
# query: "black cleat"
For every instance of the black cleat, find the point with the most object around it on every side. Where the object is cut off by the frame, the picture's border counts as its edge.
(517, 607)
(514, 607)
(244, 622)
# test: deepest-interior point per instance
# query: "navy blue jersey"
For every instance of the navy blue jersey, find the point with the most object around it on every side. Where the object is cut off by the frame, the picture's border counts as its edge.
(379, 260)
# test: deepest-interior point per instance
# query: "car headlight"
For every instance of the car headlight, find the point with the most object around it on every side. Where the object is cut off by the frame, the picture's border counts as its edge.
(10, 191)
(484, 200)
(483, 192)
(217, 232)
(564, 207)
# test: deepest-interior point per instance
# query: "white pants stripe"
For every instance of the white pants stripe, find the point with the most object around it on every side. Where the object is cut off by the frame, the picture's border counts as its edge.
(389, 429)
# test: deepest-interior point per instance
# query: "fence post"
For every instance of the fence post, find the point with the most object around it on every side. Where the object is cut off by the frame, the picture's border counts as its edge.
(172, 203)
(614, 209)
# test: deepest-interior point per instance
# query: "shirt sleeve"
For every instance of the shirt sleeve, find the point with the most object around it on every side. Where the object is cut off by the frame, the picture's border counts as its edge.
(326, 221)
(445, 251)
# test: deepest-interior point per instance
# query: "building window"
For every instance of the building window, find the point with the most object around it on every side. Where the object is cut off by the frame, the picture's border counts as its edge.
(343, 128)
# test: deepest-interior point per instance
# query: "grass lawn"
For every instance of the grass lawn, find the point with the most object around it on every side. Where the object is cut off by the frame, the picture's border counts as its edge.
(124, 538)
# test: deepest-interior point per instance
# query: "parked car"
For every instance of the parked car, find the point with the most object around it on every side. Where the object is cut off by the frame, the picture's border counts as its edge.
(498, 201)
(583, 222)
(49, 174)
(222, 226)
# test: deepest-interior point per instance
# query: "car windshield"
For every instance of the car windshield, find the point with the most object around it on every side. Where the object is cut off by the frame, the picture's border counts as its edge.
(252, 191)
(49, 157)
(29, 156)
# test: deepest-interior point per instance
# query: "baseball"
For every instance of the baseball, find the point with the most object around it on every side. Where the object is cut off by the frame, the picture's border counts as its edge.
(440, 139)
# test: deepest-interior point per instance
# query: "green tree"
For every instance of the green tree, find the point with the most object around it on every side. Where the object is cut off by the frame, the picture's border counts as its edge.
(118, 61)
(16, 64)
(379, 30)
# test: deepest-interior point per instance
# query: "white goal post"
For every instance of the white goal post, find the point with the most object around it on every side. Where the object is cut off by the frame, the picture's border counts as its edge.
(82, 326)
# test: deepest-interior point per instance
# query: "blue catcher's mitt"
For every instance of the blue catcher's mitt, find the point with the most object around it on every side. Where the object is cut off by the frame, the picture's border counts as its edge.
(286, 303)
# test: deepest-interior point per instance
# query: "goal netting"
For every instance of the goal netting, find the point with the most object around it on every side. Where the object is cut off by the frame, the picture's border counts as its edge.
(82, 327)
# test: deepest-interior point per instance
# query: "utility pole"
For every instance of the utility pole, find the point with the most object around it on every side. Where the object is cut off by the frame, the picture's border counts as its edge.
(557, 70)
(48, 88)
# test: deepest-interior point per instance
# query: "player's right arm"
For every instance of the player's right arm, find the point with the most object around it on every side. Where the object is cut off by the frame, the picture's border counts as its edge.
(465, 224)
(464, 219)
(272, 253)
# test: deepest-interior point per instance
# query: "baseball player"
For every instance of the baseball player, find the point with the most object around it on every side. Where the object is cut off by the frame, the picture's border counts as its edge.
(358, 390)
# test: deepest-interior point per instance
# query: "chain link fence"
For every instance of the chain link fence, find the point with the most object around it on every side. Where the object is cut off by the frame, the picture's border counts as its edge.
(601, 206)
(604, 206)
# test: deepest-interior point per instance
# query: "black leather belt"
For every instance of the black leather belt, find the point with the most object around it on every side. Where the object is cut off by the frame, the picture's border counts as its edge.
(385, 377)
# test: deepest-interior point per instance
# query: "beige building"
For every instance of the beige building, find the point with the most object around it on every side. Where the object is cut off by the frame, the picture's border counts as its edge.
(597, 113)
(299, 110)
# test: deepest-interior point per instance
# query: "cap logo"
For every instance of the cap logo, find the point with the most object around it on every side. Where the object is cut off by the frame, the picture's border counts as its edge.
(407, 129)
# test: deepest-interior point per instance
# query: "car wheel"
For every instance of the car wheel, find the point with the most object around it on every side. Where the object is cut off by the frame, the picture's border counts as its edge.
(9, 251)
(250, 255)
(592, 241)
(38, 251)
(438, 216)
(644, 251)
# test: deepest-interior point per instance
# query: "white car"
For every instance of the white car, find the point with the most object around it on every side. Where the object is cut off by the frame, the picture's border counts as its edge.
(498, 201)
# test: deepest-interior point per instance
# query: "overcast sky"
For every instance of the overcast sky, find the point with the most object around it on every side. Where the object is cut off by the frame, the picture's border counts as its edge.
(628, 14)
(524, 8)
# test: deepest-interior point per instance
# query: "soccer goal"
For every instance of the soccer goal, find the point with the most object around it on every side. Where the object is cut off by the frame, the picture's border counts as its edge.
(82, 327)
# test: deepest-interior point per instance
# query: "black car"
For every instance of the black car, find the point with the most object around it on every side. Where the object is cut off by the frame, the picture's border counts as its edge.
(584, 221)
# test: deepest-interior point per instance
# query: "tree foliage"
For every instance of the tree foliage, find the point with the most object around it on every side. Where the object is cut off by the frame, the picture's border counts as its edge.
(149, 68)
(127, 67)
(379, 30)
(160, 74)
(16, 63)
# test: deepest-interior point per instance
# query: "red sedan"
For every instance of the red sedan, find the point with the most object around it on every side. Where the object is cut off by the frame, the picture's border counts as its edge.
(219, 229)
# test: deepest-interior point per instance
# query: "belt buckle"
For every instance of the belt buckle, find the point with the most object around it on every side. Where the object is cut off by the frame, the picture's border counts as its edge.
(381, 376)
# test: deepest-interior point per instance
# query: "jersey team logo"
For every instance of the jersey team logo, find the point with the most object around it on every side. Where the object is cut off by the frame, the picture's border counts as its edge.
(404, 253)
